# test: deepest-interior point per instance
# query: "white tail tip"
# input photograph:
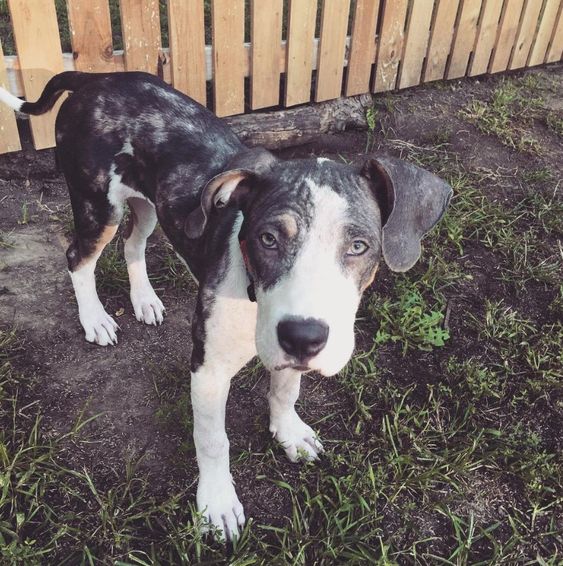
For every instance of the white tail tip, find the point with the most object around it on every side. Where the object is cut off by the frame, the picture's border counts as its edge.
(9, 99)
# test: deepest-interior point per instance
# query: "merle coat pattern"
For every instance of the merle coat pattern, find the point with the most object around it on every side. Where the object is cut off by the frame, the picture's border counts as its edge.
(304, 238)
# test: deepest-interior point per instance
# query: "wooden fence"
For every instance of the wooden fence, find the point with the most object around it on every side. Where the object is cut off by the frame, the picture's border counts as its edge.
(362, 46)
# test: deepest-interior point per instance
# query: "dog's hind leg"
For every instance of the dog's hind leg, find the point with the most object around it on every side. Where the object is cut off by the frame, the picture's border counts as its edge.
(147, 306)
(297, 438)
(82, 256)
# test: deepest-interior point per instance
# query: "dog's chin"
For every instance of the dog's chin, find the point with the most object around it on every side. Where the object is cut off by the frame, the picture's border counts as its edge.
(327, 362)
(327, 370)
(316, 366)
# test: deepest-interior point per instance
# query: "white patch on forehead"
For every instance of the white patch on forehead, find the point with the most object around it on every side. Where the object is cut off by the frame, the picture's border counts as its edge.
(316, 287)
(322, 159)
(328, 207)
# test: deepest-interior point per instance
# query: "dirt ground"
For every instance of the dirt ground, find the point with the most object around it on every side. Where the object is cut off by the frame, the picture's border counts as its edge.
(138, 390)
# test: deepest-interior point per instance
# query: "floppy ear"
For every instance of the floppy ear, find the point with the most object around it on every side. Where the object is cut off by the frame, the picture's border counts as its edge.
(227, 187)
(216, 194)
(411, 201)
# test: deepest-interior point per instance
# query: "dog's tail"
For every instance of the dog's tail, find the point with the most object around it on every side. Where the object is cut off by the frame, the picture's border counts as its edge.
(70, 80)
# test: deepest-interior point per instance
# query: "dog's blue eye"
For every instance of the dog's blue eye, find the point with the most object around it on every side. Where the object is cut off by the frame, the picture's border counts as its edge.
(358, 247)
(268, 241)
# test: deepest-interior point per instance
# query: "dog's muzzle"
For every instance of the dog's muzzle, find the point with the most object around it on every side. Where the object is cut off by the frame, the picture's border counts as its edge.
(302, 338)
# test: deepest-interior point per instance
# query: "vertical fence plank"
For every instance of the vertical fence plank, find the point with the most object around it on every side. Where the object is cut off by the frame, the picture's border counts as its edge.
(391, 43)
(39, 50)
(555, 49)
(416, 42)
(228, 56)
(362, 47)
(90, 35)
(441, 37)
(332, 46)
(543, 35)
(525, 34)
(300, 36)
(509, 23)
(140, 25)
(9, 137)
(266, 41)
(464, 38)
(486, 36)
(186, 30)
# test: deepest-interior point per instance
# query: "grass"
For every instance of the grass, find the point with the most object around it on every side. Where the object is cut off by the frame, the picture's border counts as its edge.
(409, 319)
(507, 114)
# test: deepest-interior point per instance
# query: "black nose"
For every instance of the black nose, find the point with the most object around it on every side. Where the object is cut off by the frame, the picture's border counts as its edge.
(302, 338)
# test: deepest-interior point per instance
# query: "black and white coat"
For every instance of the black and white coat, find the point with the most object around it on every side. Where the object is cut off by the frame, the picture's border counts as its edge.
(306, 236)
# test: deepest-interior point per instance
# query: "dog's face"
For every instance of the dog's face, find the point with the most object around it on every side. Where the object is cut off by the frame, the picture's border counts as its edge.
(313, 238)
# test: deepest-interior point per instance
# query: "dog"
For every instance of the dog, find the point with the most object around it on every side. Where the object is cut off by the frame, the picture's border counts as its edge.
(282, 250)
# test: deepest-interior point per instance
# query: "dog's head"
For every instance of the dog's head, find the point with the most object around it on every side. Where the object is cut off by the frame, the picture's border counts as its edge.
(313, 234)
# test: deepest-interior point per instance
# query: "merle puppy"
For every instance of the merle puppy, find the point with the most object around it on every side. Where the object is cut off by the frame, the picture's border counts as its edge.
(282, 250)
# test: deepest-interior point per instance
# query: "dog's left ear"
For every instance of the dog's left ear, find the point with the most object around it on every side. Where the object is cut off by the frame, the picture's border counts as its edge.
(411, 201)
(231, 186)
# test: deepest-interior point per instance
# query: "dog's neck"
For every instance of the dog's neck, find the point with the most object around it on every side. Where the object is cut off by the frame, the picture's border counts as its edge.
(250, 289)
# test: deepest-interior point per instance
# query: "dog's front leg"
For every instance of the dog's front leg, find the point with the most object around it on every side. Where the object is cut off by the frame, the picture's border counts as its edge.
(298, 439)
(216, 496)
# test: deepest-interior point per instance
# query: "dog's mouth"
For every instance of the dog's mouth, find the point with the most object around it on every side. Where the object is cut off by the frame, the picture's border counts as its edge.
(296, 367)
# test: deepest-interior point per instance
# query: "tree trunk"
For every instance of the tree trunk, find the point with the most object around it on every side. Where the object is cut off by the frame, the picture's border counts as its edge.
(296, 126)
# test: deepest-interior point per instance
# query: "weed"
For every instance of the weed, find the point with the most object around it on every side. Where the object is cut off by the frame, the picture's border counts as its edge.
(25, 216)
(408, 320)
(173, 271)
(5, 240)
(479, 379)
(537, 176)
(371, 119)
(111, 269)
(497, 116)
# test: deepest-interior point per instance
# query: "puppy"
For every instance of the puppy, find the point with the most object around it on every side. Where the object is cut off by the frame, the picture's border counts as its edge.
(282, 250)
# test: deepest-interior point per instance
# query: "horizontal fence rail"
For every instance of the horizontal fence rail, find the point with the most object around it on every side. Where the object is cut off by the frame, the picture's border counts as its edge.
(317, 50)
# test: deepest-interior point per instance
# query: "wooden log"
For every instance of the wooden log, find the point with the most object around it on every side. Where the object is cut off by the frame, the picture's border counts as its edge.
(297, 126)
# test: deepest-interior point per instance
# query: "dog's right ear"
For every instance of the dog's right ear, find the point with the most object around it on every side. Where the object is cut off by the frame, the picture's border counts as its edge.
(231, 186)
(222, 189)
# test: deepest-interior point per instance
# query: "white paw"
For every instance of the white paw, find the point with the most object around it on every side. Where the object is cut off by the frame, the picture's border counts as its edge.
(98, 325)
(220, 507)
(299, 440)
(147, 306)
